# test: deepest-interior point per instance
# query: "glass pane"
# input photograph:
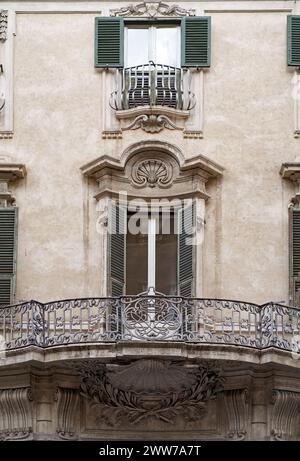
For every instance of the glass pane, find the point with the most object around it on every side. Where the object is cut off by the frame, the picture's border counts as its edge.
(136, 259)
(167, 46)
(137, 47)
(166, 256)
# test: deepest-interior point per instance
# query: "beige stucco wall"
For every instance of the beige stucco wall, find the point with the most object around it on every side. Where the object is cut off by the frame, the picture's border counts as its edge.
(248, 129)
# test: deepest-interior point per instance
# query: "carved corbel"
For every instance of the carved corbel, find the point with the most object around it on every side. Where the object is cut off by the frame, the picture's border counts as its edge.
(15, 413)
(285, 414)
(236, 405)
(67, 405)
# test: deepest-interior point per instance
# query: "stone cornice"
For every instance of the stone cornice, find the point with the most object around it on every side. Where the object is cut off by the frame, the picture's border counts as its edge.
(291, 171)
(12, 171)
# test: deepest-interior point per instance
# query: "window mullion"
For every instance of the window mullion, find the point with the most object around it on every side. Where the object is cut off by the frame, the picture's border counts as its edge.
(151, 252)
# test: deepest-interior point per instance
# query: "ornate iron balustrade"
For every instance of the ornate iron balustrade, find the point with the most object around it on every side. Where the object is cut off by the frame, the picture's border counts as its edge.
(150, 318)
(153, 85)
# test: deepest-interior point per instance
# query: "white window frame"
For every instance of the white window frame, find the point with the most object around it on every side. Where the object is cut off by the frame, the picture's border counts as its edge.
(152, 42)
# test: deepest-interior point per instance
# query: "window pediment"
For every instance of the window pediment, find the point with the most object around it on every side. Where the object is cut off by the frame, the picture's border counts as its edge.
(152, 169)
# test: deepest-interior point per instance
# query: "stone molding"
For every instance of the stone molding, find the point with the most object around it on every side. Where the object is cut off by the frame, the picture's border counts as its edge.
(15, 413)
(152, 10)
(285, 414)
(236, 405)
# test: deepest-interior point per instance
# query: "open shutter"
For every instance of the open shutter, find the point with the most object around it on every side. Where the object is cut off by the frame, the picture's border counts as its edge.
(109, 42)
(196, 41)
(185, 265)
(8, 226)
(295, 256)
(293, 39)
(116, 250)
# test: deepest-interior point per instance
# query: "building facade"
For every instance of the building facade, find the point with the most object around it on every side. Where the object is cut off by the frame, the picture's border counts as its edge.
(150, 220)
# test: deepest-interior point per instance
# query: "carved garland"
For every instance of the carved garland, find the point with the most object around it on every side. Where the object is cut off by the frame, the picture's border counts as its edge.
(151, 10)
(3, 25)
(163, 402)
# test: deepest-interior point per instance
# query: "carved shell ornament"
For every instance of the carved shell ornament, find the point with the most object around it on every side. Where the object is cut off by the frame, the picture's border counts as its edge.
(152, 376)
(152, 173)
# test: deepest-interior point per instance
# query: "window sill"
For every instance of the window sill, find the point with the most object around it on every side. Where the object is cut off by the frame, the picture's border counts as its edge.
(152, 110)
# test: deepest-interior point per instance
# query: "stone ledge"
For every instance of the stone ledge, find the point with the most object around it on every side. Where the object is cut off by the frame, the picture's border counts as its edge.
(124, 350)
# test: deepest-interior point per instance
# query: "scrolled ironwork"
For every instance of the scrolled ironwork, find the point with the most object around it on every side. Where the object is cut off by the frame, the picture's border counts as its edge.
(153, 85)
(148, 317)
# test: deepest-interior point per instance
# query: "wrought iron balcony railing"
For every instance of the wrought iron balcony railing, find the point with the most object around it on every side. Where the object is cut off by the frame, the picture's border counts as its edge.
(150, 318)
(153, 85)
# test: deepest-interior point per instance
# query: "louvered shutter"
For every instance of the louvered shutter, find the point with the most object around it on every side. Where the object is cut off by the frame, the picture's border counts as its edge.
(293, 39)
(8, 226)
(295, 256)
(185, 264)
(109, 42)
(196, 41)
(117, 249)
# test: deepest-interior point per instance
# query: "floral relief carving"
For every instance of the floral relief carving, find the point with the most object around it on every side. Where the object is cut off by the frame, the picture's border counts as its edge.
(151, 10)
(170, 390)
(152, 172)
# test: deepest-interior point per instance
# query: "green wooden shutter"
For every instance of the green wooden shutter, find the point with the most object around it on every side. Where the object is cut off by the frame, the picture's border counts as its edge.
(117, 250)
(196, 41)
(109, 42)
(295, 256)
(185, 263)
(8, 235)
(293, 39)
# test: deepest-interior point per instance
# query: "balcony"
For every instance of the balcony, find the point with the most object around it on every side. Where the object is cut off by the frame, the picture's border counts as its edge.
(152, 319)
(153, 85)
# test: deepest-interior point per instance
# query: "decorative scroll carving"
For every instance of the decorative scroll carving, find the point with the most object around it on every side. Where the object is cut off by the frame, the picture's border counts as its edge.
(3, 25)
(152, 172)
(152, 123)
(151, 10)
(285, 415)
(237, 413)
(186, 396)
(15, 413)
(68, 400)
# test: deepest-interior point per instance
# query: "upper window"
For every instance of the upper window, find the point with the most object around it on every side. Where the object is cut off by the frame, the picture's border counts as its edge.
(153, 58)
(186, 44)
(158, 44)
